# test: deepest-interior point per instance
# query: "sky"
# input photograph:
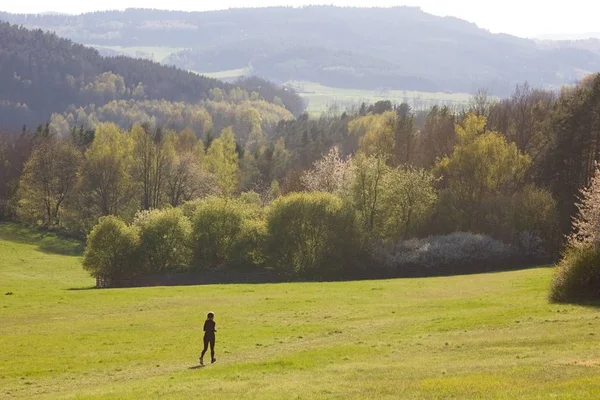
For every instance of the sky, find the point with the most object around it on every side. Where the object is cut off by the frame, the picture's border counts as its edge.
(526, 18)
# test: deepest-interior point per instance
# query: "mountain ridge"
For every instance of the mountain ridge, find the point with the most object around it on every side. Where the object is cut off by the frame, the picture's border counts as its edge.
(335, 46)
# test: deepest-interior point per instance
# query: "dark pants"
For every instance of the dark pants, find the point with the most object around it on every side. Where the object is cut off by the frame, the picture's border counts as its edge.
(209, 340)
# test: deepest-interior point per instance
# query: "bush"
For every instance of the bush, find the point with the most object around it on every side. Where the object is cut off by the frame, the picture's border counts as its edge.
(312, 235)
(112, 250)
(447, 255)
(578, 276)
(224, 233)
(165, 239)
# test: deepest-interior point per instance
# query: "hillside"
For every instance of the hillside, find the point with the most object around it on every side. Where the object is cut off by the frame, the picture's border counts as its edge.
(482, 336)
(397, 48)
(42, 74)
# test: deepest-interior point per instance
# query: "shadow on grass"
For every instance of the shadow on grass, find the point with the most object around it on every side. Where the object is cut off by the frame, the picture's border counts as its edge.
(48, 242)
(595, 304)
(77, 289)
(196, 367)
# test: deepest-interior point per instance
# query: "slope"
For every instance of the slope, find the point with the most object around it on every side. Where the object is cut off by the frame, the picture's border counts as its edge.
(486, 336)
(394, 48)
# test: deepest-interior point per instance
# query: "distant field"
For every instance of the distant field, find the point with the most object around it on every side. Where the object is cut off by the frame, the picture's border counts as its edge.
(226, 75)
(491, 336)
(321, 98)
(158, 54)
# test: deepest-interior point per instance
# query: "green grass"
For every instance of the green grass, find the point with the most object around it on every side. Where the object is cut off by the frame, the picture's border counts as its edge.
(482, 336)
(155, 53)
(229, 75)
(321, 98)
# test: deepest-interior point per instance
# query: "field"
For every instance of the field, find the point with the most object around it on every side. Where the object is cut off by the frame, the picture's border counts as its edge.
(154, 53)
(320, 98)
(482, 336)
(227, 75)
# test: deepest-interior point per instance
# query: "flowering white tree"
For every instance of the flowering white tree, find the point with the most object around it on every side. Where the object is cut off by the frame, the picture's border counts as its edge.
(586, 227)
(331, 174)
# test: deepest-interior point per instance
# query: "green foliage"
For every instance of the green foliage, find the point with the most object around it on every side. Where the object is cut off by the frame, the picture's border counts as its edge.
(312, 235)
(112, 250)
(165, 239)
(48, 180)
(367, 193)
(225, 232)
(408, 198)
(222, 160)
(107, 185)
(482, 165)
(578, 276)
(376, 132)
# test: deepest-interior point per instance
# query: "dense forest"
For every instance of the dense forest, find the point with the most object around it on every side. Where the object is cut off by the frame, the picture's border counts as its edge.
(379, 191)
(370, 48)
(42, 74)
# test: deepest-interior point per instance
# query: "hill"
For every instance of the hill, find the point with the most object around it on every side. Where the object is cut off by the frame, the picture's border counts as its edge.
(42, 74)
(482, 336)
(400, 48)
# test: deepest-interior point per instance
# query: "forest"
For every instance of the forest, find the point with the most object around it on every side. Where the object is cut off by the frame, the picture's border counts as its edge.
(46, 77)
(376, 48)
(377, 192)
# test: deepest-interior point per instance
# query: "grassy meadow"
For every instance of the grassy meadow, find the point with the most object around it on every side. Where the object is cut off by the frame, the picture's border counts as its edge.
(154, 53)
(320, 98)
(467, 337)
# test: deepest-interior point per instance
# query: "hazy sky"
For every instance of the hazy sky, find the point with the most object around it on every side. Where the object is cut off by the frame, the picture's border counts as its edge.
(517, 17)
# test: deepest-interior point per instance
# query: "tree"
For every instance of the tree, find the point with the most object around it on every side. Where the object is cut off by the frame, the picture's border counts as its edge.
(153, 157)
(367, 192)
(405, 132)
(186, 179)
(226, 231)
(331, 174)
(165, 239)
(48, 179)
(312, 235)
(15, 150)
(376, 132)
(222, 160)
(106, 180)
(408, 200)
(586, 225)
(483, 164)
(570, 161)
(111, 253)
(438, 136)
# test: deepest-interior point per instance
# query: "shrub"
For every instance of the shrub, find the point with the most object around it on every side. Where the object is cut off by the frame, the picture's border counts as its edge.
(578, 276)
(112, 250)
(450, 254)
(165, 239)
(223, 229)
(312, 235)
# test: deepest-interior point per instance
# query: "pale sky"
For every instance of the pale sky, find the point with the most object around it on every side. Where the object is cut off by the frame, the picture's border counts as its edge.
(518, 17)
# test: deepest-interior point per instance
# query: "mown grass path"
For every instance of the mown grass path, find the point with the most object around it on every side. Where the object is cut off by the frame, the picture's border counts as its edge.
(482, 336)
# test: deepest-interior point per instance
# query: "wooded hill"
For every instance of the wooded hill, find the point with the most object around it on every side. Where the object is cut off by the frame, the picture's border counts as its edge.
(375, 48)
(42, 74)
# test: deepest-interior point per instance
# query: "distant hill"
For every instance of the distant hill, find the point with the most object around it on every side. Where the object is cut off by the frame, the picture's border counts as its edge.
(569, 36)
(42, 74)
(368, 48)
